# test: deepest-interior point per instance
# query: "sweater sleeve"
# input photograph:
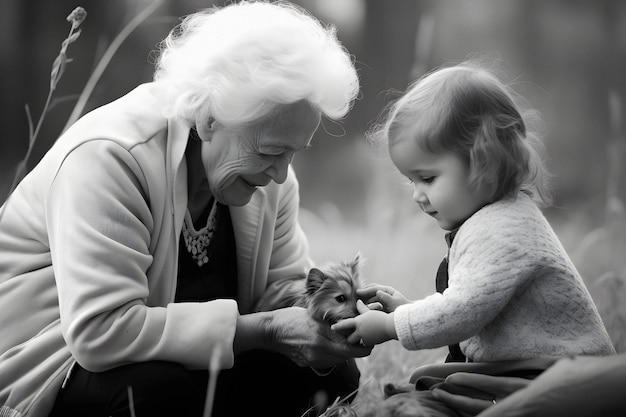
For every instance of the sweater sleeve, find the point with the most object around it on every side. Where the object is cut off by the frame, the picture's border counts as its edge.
(490, 259)
(100, 229)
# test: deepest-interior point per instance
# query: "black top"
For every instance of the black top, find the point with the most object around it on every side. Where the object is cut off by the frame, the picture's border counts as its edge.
(441, 283)
(217, 278)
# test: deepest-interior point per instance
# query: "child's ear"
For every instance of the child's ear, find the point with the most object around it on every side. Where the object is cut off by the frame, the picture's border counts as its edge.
(314, 280)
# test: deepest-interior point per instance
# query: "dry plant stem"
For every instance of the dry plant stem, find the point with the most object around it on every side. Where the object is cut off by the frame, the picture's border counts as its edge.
(131, 401)
(214, 370)
(210, 394)
(57, 72)
(106, 59)
(340, 407)
(58, 67)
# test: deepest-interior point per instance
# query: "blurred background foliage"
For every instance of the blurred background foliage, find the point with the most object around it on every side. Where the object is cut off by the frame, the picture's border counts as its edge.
(567, 57)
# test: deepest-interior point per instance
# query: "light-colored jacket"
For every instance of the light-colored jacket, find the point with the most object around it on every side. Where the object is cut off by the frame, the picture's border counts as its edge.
(513, 293)
(89, 251)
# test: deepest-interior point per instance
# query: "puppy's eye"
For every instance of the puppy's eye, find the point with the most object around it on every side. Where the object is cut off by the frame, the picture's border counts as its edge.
(340, 298)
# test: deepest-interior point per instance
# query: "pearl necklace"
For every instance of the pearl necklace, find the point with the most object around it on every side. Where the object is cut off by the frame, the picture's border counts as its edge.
(198, 241)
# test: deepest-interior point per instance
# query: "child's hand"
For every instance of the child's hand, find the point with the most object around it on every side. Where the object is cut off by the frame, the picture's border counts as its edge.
(369, 328)
(382, 295)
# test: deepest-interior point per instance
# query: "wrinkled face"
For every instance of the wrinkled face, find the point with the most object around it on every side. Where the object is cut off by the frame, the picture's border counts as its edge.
(238, 160)
(441, 184)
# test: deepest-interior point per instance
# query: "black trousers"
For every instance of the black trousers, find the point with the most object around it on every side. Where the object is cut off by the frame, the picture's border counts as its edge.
(260, 383)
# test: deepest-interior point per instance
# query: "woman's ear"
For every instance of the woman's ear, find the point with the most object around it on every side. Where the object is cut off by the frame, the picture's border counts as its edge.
(205, 132)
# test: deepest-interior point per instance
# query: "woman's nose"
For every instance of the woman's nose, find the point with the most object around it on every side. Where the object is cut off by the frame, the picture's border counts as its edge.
(280, 168)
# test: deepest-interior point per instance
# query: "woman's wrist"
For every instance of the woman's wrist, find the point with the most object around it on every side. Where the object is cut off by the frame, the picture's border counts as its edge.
(254, 331)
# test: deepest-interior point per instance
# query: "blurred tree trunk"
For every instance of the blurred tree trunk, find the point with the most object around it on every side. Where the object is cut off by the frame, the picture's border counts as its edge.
(615, 90)
(386, 54)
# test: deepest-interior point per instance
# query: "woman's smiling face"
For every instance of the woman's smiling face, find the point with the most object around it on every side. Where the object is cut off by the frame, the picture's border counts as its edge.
(238, 160)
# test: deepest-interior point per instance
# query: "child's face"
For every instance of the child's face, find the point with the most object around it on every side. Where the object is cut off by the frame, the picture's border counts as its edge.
(441, 184)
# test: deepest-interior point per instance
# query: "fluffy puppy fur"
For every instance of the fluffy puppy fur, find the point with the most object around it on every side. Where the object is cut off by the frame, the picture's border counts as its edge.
(331, 291)
(328, 292)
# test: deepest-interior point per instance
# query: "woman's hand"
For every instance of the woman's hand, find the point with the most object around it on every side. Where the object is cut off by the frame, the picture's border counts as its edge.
(293, 333)
(376, 295)
(312, 343)
(369, 328)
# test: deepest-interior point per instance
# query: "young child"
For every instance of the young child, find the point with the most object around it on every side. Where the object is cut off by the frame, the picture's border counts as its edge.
(463, 142)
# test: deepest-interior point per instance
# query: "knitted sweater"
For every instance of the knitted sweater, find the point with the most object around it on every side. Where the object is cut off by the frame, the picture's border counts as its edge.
(513, 293)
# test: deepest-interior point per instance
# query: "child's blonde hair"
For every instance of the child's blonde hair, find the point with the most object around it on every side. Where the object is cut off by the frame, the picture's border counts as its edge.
(466, 110)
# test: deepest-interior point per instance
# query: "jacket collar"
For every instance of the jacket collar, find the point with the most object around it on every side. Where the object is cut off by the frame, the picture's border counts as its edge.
(247, 220)
(177, 137)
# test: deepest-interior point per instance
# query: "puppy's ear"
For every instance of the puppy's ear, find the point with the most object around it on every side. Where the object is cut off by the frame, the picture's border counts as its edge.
(314, 280)
(356, 265)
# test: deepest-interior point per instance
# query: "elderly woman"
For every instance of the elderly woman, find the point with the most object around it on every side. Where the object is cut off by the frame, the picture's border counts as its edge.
(133, 253)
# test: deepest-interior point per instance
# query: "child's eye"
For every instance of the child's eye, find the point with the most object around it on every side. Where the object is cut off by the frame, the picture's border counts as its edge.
(427, 180)
(340, 298)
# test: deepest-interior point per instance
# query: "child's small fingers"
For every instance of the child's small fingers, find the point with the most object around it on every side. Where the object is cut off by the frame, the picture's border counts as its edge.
(384, 297)
(387, 289)
(375, 306)
(368, 292)
(361, 307)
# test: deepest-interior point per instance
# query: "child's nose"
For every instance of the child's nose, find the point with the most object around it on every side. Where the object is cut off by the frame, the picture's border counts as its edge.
(418, 194)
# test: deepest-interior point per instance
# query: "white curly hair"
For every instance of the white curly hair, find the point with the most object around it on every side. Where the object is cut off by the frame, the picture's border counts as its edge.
(241, 62)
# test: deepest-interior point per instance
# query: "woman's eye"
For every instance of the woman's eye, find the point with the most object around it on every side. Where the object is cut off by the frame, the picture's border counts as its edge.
(340, 298)
(270, 156)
